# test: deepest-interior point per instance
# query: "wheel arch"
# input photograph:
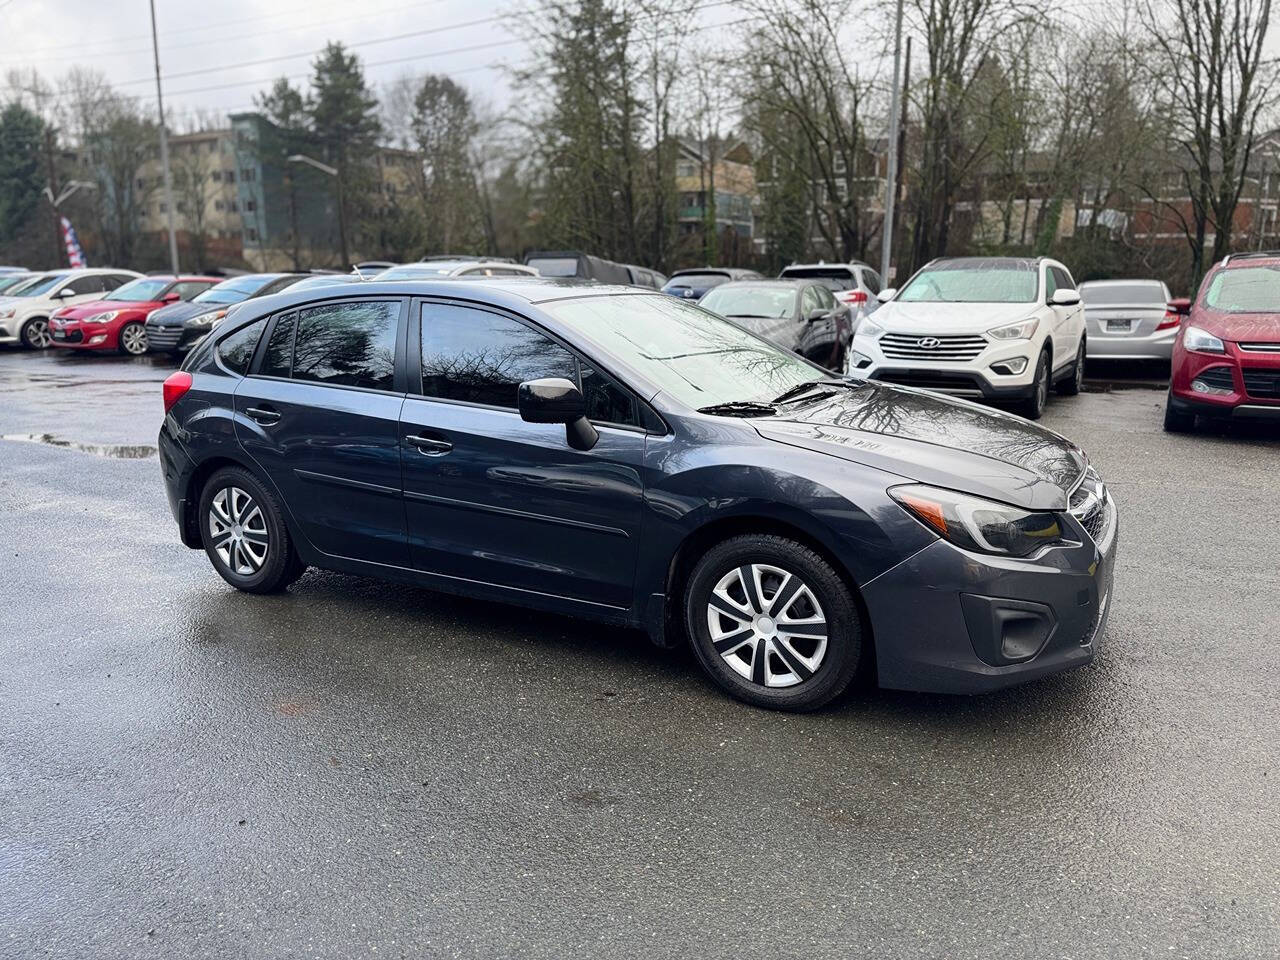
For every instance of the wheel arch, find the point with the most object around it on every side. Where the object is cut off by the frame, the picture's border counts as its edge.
(195, 485)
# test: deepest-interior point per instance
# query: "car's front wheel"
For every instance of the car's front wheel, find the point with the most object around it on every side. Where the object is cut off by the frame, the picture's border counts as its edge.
(1074, 383)
(133, 339)
(35, 334)
(1175, 420)
(772, 623)
(244, 534)
(1033, 406)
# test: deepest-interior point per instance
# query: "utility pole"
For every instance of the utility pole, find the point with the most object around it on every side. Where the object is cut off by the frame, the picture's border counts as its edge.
(164, 148)
(891, 166)
(51, 174)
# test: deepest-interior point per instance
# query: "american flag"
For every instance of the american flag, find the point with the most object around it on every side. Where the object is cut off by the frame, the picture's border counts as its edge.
(75, 256)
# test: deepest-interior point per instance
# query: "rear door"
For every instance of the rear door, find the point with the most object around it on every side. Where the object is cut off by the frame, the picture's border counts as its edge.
(1067, 321)
(491, 498)
(319, 414)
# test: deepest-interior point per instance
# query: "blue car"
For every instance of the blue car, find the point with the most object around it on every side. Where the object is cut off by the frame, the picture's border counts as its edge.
(612, 453)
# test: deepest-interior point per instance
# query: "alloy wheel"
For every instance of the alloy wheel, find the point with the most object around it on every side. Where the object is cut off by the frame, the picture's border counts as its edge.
(1042, 388)
(238, 531)
(37, 334)
(766, 623)
(133, 338)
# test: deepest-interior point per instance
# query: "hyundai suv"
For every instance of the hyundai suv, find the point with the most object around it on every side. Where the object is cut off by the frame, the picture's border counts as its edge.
(1226, 358)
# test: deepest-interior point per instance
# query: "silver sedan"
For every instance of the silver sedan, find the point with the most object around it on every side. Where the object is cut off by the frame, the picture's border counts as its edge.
(1130, 319)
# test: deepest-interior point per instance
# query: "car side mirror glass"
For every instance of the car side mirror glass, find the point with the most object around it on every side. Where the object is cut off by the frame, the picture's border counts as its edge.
(1064, 298)
(887, 294)
(557, 400)
(1180, 306)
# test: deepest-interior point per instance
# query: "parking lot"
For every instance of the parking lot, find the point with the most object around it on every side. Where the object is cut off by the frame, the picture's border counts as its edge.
(356, 767)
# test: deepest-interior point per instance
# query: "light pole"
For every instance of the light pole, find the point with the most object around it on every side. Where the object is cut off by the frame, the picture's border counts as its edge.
(891, 174)
(164, 148)
(337, 180)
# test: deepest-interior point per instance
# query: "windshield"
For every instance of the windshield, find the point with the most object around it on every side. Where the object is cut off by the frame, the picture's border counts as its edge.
(752, 301)
(14, 282)
(38, 285)
(1148, 293)
(698, 280)
(139, 290)
(419, 271)
(233, 291)
(555, 266)
(698, 358)
(1245, 290)
(974, 281)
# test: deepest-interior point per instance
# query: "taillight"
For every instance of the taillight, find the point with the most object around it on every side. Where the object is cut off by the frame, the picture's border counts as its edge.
(1171, 319)
(176, 386)
(854, 296)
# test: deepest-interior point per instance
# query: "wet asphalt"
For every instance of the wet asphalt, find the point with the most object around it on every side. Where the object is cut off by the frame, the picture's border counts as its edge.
(362, 769)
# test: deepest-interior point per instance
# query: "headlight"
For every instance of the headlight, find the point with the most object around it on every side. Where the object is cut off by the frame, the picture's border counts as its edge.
(1022, 330)
(980, 525)
(1193, 338)
(207, 319)
(868, 329)
(103, 317)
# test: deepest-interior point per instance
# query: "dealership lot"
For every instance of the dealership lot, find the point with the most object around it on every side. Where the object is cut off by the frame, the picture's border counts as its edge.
(357, 766)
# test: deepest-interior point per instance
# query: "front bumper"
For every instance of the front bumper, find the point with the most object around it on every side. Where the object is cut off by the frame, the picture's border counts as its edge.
(938, 616)
(962, 378)
(1245, 383)
(81, 336)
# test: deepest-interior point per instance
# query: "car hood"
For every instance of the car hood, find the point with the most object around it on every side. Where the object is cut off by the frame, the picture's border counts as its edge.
(937, 440)
(82, 311)
(924, 318)
(1249, 327)
(179, 313)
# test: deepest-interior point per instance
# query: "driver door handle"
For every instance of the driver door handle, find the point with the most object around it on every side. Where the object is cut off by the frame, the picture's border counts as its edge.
(429, 446)
(264, 415)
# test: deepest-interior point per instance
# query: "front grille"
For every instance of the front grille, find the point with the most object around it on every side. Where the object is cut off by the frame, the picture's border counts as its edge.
(71, 336)
(1264, 384)
(163, 336)
(1260, 347)
(901, 346)
(1217, 377)
(927, 380)
(1091, 505)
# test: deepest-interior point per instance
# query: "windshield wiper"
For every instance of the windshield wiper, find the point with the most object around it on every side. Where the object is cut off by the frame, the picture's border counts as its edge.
(801, 388)
(740, 408)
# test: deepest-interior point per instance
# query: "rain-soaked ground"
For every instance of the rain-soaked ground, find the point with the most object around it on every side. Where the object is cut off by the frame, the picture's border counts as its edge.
(357, 768)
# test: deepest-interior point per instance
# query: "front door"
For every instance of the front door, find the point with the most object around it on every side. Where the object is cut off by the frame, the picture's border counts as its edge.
(493, 499)
(320, 414)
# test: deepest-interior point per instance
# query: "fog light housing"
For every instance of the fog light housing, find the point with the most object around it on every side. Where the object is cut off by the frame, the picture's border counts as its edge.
(1011, 367)
(859, 361)
(97, 339)
(1214, 382)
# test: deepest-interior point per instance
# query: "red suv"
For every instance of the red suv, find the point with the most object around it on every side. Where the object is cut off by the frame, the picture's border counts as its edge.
(118, 321)
(1226, 359)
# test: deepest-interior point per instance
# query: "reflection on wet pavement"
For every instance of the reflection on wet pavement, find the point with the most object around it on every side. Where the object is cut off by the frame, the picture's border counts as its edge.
(123, 451)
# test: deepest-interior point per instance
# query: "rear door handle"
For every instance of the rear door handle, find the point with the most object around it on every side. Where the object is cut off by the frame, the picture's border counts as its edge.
(264, 415)
(430, 446)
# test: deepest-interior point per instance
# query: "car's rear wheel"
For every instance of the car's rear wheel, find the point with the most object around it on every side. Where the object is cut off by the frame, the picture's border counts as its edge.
(1073, 384)
(133, 339)
(244, 534)
(772, 623)
(1033, 406)
(35, 334)
(1175, 420)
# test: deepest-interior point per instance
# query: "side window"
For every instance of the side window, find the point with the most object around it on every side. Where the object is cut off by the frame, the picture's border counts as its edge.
(1062, 279)
(871, 280)
(826, 297)
(606, 401)
(277, 359)
(116, 280)
(236, 351)
(809, 302)
(482, 357)
(83, 285)
(1050, 284)
(349, 344)
(190, 288)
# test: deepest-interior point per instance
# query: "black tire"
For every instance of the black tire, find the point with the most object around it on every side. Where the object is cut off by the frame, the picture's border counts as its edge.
(129, 345)
(267, 560)
(817, 673)
(1072, 384)
(1033, 406)
(35, 334)
(1175, 420)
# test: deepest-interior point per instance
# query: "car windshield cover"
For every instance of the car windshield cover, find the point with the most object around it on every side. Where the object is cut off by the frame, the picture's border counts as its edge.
(708, 279)
(698, 358)
(139, 291)
(41, 284)
(555, 266)
(1245, 290)
(1148, 294)
(233, 291)
(753, 301)
(974, 281)
(420, 272)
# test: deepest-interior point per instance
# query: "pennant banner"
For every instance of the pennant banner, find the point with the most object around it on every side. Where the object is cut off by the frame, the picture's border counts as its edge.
(75, 256)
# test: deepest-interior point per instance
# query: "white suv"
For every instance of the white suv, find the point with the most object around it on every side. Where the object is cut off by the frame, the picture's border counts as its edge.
(995, 328)
(25, 310)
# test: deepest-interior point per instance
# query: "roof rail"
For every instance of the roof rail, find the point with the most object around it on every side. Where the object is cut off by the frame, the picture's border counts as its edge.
(1250, 255)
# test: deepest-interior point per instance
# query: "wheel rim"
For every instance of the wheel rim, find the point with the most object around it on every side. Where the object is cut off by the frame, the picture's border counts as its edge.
(238, 531)
(134, 338)
(1042, 388)
(767, 625)
(38, 334)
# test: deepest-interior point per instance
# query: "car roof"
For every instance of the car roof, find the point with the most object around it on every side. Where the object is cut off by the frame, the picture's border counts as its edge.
(1103, 283)
(789, 282)
(828, 264)
(509, 289)
(1259, 258)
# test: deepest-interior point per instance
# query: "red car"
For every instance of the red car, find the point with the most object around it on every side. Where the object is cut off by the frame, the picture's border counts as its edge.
(118, 321)
(1226, 359)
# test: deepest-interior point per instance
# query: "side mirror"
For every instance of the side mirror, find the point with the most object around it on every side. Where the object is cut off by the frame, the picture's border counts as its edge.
(1181, 306)
(64, 293)
(887, 294)
(171, 297)
(818, 313)
(557, 400)
(1064, 298)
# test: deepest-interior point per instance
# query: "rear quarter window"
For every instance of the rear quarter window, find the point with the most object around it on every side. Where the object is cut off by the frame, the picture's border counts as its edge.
(236, 351)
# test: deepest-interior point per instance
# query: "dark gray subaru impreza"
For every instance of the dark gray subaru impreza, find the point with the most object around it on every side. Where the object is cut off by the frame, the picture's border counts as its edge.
(626, 456)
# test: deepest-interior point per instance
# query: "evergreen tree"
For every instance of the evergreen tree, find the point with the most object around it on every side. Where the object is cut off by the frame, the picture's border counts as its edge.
(21, 176)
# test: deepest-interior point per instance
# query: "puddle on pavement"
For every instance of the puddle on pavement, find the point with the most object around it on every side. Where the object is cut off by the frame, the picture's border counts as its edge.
(119, 451)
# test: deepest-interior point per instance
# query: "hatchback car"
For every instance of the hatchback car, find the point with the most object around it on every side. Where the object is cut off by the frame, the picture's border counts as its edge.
(854, 283)
(694, 282)
(626, 456)
(995, 328)
(1131, 319)
(798, 315)
(118, 320)
(179, 326)
(1226, 358)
